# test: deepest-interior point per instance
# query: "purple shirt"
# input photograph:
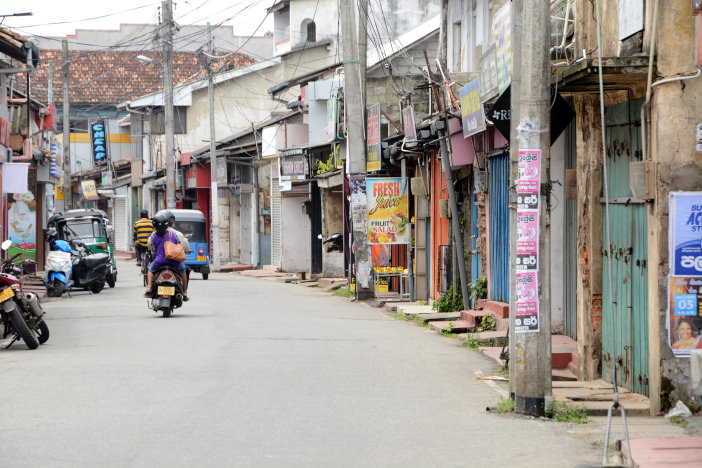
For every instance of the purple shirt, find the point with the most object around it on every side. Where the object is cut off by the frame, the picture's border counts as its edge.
(160, 259)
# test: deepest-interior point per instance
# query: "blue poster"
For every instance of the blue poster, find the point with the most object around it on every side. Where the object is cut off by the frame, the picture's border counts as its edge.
(686, 234)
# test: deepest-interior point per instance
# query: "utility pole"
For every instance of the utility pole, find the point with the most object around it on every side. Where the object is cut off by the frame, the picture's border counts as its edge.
(356, 148)
(67, 192)
(214, 201)
(531, 363)
(363, 49)
(168, 98)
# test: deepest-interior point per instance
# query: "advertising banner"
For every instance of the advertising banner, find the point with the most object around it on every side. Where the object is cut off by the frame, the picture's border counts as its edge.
(388, 210)
(373, 139)
(684, 314)
(472, 113)
(685, 233)
(527, 303)
(501, 33)
(98, 141)
(22, 220)
(527, 240)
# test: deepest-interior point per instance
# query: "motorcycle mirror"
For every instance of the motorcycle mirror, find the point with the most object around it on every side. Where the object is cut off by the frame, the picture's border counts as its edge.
(6, 245)
(319, 236)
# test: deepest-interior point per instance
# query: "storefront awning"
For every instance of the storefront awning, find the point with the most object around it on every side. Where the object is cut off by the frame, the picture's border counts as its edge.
(618, 73)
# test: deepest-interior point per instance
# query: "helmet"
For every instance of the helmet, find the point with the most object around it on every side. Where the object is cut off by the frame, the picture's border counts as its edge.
(160, 221)
(169, 215)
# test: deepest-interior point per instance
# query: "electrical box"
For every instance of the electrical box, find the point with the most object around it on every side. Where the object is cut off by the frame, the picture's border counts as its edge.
(642, 179)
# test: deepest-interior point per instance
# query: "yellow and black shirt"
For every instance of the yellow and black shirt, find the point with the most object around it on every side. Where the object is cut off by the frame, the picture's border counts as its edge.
(142, 230)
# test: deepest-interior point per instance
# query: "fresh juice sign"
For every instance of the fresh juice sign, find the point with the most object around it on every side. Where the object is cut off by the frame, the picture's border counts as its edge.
(388, 211)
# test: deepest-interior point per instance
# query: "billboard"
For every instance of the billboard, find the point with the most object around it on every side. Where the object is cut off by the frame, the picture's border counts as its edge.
(388, 210)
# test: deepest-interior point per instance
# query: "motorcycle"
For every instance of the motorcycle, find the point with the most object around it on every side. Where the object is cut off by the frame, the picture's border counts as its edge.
(89, 270)
(335, 241)
(146, 260)
(21, 314)
(166, 292)
(59, 267)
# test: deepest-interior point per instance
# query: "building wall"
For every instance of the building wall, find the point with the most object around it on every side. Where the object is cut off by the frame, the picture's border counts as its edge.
(676, 109)
(557, 167)
(295, 242)
(332, 223)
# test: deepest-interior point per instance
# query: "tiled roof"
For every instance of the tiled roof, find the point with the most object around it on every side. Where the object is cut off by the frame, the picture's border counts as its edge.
(109, 78)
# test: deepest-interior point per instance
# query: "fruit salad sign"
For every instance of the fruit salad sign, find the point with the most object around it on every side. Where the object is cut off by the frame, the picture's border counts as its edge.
(388, 210)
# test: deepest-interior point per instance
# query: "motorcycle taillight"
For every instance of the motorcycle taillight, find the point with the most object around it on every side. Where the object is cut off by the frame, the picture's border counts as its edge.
(166, 275)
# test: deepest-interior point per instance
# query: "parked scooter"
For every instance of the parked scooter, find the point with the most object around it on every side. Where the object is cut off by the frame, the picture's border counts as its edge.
(167, 292)
(89, 270)
(335, 241)
(59, 266)
(21, 314)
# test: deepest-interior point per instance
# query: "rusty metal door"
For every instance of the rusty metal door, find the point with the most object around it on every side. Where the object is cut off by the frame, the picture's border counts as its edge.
(629, 252)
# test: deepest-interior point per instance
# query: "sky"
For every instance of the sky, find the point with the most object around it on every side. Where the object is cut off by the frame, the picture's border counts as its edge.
(63, 17)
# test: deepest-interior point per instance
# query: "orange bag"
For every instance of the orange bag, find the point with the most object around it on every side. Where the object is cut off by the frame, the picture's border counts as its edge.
(173, 251)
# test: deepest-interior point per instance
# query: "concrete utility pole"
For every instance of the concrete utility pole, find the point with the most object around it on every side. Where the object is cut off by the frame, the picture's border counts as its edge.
(67, 193)
(363, 49)
(515, 95)
(532, 363)
(356, 148)
(214, 200)
(168, 100)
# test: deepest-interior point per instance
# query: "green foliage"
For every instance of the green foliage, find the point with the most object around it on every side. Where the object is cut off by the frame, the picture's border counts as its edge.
(487, 323)
(679, 421)
(400, 316)
(344, 292)
(418, 320)
(560, 411)
(475, 343)
(447, 329)
(505, 405)
(478, 289)
(450, 301)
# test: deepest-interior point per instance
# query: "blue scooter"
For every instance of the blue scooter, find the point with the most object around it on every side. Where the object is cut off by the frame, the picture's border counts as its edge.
(59, 266)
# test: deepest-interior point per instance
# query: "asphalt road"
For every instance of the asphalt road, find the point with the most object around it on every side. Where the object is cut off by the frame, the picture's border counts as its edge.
(256, 373)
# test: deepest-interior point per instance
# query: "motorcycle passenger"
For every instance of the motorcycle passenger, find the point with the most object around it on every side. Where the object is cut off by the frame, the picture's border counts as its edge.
(181, 237)
(142, 230)
(162, 233)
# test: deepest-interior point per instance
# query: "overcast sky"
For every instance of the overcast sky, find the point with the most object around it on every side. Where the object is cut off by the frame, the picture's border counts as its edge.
(244, 15)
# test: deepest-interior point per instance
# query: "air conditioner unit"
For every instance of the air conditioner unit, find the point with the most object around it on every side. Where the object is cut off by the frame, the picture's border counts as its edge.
(642, 179)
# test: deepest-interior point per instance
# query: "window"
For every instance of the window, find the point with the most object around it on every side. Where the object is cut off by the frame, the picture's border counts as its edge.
(179, 116)
(308, 31)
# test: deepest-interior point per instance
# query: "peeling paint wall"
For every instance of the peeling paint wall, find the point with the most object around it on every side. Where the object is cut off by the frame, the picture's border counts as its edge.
(676, 109)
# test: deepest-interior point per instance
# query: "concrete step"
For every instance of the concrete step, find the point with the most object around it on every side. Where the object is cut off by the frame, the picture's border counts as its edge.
(232, 267)
(499, 309)
(677, 451)
(438, 317)
(271, 267)
(458, 326)
(491, 338)
(474, 318)
(563, 375)
(329, 282)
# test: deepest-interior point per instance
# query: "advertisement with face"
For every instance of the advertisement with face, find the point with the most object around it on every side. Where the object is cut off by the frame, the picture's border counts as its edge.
(684, 314)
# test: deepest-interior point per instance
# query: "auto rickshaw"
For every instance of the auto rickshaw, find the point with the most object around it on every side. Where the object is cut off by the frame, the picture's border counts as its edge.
(90, 226)
(193, 225)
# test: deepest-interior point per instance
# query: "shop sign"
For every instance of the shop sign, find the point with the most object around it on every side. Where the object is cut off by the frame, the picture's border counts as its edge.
(488, 74)
(89, 190)
(472, 112)
(293, 167)
(685, 233)
(98, 141)
(503, 46)
(684, 314)
(388, 210)
(408, 124)
(107, 178)
(373, 138)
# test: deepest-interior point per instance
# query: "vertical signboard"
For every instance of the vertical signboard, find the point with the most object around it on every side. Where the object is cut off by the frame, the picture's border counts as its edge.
(373, 138)
(685, 282)
(98, 141)
(388, 210)
(488, 74)
(22, 219)
(472, 112)
(527, 259)
(503, 46)
(408, 124)
(331, 119)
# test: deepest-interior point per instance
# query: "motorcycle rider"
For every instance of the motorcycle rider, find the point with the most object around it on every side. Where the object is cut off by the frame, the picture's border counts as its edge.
(162, 233)
(181, 237)
(142, 230)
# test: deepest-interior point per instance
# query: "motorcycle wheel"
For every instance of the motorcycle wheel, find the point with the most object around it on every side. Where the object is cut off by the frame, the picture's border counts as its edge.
(146, 281)
(166, 313)
(43, 332)
(55, 289)
(27, 335)
(97, 287)
(111, 280)
(205, 276)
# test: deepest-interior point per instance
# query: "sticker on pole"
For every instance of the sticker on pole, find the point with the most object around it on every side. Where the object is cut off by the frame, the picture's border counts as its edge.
(529, 179)
(527, 303)
(527, 240)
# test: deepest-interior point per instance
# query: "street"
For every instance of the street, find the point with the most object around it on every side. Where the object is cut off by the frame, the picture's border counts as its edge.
(255, 373)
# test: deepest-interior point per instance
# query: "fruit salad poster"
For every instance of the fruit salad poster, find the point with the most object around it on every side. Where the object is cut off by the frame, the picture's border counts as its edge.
(388, 210)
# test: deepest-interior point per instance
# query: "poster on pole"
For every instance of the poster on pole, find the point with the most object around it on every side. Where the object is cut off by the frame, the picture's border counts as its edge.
(527, 302)
(684, 314)
(529, 179)
(388, 210)
(685, 233)
(373, 139)
(527, 240)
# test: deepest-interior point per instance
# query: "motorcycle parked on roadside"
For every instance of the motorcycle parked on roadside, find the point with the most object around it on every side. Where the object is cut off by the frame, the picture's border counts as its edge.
(90, 270)
(21, 314)
(167, 292)
(59, 266)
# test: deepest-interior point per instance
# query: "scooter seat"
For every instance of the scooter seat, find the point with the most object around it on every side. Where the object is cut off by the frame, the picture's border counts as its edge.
(95, 259)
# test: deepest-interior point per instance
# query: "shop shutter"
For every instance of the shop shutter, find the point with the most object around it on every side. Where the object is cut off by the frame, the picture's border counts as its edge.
(120, 223)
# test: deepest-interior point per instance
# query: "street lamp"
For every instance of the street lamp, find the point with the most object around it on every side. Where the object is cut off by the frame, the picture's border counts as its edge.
(146, 60)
